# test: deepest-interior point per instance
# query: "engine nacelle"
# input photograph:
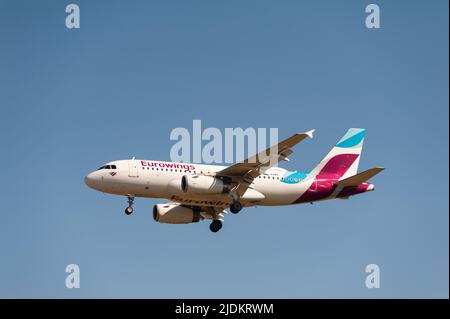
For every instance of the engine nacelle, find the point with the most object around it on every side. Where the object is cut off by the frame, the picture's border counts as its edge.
(200, 184)
(175, 214)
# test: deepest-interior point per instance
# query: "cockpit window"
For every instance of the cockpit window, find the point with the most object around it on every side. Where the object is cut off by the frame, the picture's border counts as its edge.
(108, 167)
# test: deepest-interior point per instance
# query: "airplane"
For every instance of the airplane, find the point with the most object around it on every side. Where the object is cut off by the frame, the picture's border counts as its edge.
(203, 192)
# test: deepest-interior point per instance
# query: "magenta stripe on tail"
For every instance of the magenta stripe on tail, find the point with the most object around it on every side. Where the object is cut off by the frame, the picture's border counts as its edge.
(337, 166)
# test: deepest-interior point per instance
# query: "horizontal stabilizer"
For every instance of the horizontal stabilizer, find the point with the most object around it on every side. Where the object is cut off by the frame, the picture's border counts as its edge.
(361, 177)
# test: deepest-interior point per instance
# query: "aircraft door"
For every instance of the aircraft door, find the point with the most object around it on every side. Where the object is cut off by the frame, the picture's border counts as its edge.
(133, 168)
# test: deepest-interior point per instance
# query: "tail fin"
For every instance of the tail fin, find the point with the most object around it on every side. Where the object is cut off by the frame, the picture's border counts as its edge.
(343, 159)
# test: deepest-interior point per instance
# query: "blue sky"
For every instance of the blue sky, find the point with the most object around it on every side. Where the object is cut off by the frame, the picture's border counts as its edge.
(72, 100)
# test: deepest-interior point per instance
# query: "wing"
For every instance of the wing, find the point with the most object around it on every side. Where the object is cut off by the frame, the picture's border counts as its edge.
(244, 172)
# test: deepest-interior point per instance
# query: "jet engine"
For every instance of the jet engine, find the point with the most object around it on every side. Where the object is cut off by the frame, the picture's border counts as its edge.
(175, 214)
(199, 184)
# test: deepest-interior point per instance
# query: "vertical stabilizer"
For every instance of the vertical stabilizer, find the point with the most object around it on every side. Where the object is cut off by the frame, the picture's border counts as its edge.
(343, 159)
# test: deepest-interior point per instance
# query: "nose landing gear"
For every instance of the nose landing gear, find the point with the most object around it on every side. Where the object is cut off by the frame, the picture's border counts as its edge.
(129, 209)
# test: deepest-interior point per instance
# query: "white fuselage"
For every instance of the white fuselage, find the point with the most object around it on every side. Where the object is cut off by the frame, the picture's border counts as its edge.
(157, 179)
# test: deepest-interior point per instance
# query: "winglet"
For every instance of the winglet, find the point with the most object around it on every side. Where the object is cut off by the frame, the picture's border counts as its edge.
(310, 133)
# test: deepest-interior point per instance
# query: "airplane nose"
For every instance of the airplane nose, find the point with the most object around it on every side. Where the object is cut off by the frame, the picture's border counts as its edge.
(89, 180)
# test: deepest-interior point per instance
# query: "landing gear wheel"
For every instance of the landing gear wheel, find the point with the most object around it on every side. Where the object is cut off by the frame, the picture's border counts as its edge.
(129, 209)
(235, 207)
(215, 226)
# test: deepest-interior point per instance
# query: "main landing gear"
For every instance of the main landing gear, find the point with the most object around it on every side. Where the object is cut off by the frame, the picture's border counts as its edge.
(129, 209)
(235, 207)
(215, 225)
